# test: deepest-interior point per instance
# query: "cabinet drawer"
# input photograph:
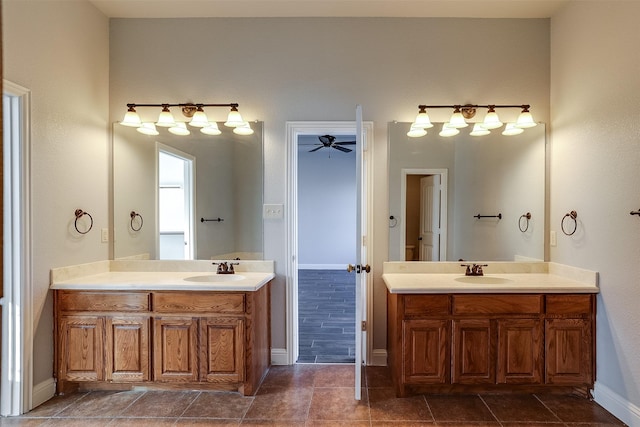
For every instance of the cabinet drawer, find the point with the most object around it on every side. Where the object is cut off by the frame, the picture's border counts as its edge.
(196, 302)
(102, 301)
(497, 304)
(426, 305)
(568, 304)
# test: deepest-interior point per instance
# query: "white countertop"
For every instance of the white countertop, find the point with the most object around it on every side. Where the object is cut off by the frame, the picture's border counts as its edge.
(160, 275)
(429, 278)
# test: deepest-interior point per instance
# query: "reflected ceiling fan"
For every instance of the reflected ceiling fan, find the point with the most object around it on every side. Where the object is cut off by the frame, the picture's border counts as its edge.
(329, 141)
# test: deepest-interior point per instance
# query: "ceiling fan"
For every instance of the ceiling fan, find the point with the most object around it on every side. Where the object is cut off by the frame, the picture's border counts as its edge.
(329, 141)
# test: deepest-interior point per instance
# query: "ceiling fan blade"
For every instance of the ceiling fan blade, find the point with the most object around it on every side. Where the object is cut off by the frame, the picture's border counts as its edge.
(344, 150)
(344, 143)
(316, 149)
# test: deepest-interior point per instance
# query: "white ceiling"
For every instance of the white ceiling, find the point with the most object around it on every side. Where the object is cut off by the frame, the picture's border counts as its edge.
(329, 8)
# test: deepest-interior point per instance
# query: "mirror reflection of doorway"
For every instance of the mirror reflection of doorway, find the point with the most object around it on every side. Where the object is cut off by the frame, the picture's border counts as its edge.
(175, 204)
(425, 207)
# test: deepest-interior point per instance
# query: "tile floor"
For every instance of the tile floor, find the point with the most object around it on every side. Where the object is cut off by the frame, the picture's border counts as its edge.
(314, 395)
(326, 316)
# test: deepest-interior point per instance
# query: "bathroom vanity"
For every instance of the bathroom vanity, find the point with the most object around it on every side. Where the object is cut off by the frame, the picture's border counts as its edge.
(522, 327)
(166, 329)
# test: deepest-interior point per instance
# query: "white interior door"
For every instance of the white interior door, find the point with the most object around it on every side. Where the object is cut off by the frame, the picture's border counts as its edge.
(362, 268)
(430, 218)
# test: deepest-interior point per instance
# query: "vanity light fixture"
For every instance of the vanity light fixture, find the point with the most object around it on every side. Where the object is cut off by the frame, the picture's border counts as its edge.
(511, 129)
(193, 111)
(448, 130)
(462, 113)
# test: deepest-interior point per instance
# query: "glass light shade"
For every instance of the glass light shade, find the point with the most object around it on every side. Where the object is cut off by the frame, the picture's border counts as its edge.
(448, 131)
(148, 129)
(422, 121)
(180, 128)
(165, 119)
(479, 130)
(199, 119)
(212, 129)
(525, 120)
(511, 129)
(416, 131)
(234, 118)
(243, 129)
(131, 119)
(492, 121)
(457, 121)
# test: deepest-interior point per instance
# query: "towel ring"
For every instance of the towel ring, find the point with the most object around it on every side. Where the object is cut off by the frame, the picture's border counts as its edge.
(79, 213)
(573, 215)
(526, 217)
(134, 214)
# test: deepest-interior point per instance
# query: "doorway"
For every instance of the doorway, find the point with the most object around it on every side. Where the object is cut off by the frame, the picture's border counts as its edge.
(176, 238)
(326, 225)
(294, 131)
(424, 214)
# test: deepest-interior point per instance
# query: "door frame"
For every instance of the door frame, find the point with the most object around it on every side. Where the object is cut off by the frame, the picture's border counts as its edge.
(444, 183)
(294, 129)
(189, 193)
(17, 347)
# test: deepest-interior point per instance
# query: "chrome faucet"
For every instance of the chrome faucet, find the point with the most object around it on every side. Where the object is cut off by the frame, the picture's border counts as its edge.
(474, 270)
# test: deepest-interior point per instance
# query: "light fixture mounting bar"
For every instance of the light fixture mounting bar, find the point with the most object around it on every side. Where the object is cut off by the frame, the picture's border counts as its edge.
(467, 106)
(187, 104)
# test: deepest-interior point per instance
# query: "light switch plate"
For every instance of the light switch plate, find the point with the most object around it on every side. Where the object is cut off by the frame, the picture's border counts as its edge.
(105, 235)
(553, 239)
(273, 211)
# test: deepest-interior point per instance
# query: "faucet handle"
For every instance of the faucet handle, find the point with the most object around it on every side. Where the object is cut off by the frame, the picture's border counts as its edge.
(468, 272)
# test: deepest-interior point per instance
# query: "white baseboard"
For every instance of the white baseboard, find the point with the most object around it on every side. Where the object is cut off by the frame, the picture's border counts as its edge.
(322, 267)
(626, 411)
(279, 356)
(43, 392)
(378, 357)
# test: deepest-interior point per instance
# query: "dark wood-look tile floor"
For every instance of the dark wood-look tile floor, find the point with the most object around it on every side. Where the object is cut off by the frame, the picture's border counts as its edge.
(314, 395)
(326, 316)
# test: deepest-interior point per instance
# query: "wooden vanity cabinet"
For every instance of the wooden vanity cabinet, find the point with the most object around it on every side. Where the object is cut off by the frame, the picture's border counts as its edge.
(472, 342)
(173, 339)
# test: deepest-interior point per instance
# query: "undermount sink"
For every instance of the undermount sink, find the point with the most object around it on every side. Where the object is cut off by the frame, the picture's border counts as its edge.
(215, 278)
(483, 280)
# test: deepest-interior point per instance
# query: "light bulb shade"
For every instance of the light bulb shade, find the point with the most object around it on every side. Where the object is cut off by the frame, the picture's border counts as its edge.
(165, 119)
(422, 121)
(448, 130)
(199, 119)
(212, 129)
(180, 128)
(511, 129)
(479, 130)
(457, 120)
(492, 121)
(416, 131)
(148, 129)
(243, 129)
(525, 120)
(131, 119)
(234, 118)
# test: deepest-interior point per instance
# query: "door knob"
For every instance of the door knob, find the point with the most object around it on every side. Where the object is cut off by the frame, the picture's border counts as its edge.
(358, 268)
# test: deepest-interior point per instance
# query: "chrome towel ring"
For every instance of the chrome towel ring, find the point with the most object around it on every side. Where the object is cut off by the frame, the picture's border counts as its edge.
(573, 215)
(79, 213)
(526, 217)
(134, 214)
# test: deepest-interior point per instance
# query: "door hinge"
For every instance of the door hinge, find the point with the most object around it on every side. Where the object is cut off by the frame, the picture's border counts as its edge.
(364, 325)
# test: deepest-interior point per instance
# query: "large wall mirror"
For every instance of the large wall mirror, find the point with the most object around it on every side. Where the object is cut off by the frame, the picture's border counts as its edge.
(195, 196)
(438, 186)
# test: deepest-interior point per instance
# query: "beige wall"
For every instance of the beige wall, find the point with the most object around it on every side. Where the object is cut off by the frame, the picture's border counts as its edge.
(60, 51)
(595, 170)
(318, 69)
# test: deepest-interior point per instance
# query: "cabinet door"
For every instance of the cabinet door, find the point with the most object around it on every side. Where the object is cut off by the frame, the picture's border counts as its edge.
(473, 352)
(222, 350)
(568, 347)
(426, 351)
(127, 348)
(174, 349)
(81, 355)
(520, 350)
